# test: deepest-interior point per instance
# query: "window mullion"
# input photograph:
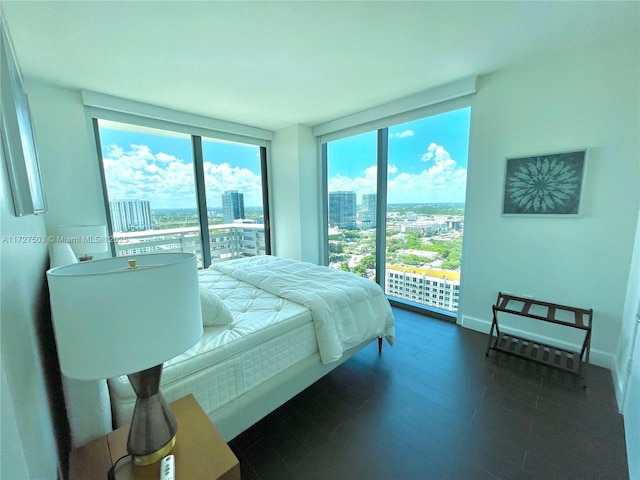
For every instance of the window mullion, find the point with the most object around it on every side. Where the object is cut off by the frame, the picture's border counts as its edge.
(324, 260)
(381, 204)
(201, 194)
(103, 181)
(265, 201)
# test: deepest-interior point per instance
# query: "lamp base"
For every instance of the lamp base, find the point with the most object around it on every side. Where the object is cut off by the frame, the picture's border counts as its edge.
(153, 427)
(155, 456)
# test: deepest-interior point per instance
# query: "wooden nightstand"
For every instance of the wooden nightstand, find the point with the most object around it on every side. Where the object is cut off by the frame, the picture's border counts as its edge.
(200, 451)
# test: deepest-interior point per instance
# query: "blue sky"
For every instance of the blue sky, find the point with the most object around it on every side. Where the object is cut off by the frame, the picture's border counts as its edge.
(427, 160)
(146, 164)
(427, 164)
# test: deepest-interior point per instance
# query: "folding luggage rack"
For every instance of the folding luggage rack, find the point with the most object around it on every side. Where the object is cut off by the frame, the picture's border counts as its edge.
(563, 359)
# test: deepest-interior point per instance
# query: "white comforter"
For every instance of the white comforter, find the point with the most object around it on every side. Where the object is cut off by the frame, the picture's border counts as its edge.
(346, 309)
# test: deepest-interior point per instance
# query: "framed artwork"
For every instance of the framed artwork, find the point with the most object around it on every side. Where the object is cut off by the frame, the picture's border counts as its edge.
(544, 184)
(18, 140)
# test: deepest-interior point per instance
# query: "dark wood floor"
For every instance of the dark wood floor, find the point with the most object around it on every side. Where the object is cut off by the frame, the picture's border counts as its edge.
(434, 407)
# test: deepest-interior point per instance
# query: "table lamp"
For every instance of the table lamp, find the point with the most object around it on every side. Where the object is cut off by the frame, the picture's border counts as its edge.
(84, 239)
(126, 316)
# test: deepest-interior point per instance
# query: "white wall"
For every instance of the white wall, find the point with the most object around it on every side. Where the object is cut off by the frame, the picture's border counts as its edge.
(310, 196)
(584, 98)
(12, 461)
(68, 157)
(295, 194)
(631, 308)
(628, 385)
(28, 441)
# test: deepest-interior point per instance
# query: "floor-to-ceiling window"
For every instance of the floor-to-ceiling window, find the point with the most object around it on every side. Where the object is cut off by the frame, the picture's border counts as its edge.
(172, 191)
(424, 183)
(233, 179)
(352, 197)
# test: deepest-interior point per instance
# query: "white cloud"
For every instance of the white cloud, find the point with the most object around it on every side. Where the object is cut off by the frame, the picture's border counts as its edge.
(443, 181)
(406, 133)
(168, 182)
(222, 177)
(142, 152)
(163, 157)
(436, 151)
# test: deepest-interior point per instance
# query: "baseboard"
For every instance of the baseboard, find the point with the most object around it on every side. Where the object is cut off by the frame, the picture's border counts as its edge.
(619, 378)
(596, 357)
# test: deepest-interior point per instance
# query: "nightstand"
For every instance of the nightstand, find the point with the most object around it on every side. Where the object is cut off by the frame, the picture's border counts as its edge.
(200, 451)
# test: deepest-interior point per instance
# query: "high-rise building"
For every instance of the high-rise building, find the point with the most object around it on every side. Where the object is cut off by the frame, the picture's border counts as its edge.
(368, 211)
(436, 288)
(342, 210)
(369, 202)
(130, 215)
(232, 206)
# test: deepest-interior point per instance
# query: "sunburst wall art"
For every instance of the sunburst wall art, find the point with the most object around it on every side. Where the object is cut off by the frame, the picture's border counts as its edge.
(544, 184)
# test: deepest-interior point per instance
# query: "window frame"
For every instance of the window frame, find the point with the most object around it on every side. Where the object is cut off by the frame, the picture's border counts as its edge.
(196, 134)
(382, 126)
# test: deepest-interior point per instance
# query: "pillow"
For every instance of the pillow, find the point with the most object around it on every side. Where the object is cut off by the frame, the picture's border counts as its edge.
(62, 254)
(214, 311)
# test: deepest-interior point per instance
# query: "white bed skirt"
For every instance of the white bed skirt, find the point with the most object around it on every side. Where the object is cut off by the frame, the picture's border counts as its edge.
(235, 417)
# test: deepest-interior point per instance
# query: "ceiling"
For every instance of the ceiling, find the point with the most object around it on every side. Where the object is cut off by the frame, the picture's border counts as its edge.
(275, 64)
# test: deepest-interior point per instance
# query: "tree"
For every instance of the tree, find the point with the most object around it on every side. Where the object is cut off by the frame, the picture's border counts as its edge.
(369, 261)
(337, 257)
(351, 235)
(335, 248)
(412, 259)
(414, 241)
(360, 270)
(453, 260)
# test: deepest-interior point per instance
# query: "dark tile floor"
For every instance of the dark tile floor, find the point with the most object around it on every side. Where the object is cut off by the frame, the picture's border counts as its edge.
(434, 407)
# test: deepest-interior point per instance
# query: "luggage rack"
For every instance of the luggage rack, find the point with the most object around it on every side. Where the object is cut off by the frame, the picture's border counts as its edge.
(549, 355)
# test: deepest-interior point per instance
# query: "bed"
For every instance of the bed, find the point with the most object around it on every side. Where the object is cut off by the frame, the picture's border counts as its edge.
(290, 324)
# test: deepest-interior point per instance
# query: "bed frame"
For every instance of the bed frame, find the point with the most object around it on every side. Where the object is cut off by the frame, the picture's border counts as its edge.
(265, 398)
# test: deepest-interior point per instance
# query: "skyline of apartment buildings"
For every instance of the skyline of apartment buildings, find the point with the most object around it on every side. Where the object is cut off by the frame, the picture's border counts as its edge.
(130, 215)
(367, 214)
(232, 206)
(342, 210)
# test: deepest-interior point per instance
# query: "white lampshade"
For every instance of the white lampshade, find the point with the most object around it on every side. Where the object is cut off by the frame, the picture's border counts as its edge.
(84, 239)
(110, 319)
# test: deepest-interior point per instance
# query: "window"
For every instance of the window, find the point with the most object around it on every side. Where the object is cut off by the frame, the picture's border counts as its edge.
(352, 204)
(171, 191)
(420, 174)
(235, 196)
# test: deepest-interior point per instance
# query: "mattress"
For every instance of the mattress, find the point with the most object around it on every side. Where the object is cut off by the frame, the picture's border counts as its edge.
(347, 309)
(268, 335)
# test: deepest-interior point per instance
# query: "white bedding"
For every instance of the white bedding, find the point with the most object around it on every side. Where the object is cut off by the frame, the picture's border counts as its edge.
(346, 309)
(268, 335)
